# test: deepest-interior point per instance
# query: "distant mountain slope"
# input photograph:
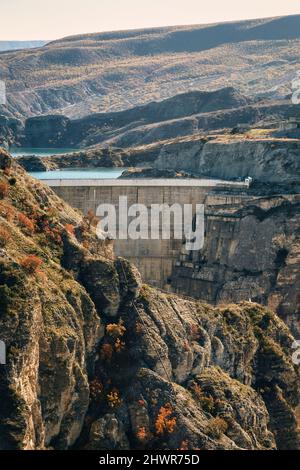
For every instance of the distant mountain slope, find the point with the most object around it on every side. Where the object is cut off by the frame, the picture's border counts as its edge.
(12, 45)
(182, 115)
(95, 128)
(107, 72)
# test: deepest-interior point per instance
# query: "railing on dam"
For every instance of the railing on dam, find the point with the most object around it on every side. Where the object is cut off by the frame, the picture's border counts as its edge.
(148, 182)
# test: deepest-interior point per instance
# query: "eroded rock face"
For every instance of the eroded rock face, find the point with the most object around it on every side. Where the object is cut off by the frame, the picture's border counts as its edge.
(50, 344)
(220, 371)
(271, 160)
(47, 320)
(251, 251)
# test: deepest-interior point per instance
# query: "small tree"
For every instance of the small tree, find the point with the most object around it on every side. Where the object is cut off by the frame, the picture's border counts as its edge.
(116, 330)
(3, 189)
(216, 427)
(31, 264)
(27, 223)
(70, 229)
(114, 399)
(165, 422)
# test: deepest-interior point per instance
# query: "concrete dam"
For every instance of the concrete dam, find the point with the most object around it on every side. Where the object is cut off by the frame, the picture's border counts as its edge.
(155, 259)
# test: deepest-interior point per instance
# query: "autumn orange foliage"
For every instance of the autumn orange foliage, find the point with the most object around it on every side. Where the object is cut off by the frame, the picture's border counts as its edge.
(165, 423)
(3, 190)
(31, 263)
(116, 330)
(70, 229)
(195, 332)
(142, 434)
(114, 399)
(184, 445)
(27, 223)
(119, 345)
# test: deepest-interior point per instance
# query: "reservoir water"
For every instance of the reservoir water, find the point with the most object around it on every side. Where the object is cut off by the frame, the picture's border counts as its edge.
(79, 173)
(73, 173)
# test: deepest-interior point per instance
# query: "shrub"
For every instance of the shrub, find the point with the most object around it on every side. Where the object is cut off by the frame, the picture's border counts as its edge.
(90, 218)
(207, 402)
(27, 223)
(5, 298)
(12, 181)
(7, 211)
(114, 398)
(142, 434)
(54, 234)
(184, 445)
(106, 352)
(195, 332)
(165, 423)
(70, 229)
(216, 427)
(96, 389)
(119, 345)
(3, 190)
(116, 330)
(138, 327)
(4, 237)
(31, 264)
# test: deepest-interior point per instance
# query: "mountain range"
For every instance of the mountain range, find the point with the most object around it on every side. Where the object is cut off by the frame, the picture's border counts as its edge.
(106, 72)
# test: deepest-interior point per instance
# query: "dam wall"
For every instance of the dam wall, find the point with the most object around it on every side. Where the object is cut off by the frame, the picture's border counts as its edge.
(155, 259)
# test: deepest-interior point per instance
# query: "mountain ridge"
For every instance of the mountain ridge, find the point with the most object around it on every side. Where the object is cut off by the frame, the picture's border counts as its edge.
(108, 72)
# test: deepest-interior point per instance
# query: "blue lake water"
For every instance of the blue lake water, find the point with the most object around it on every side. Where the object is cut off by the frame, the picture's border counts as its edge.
(80, 173)
(39, 152)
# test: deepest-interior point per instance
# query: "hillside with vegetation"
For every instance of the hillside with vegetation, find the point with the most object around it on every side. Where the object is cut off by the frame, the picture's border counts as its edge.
(98, 360)
(106, 72)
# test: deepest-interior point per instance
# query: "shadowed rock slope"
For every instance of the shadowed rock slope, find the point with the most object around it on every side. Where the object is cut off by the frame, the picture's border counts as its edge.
(97, 360)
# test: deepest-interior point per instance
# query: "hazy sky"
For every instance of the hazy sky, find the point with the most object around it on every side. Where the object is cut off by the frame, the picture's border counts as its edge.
(50, 19)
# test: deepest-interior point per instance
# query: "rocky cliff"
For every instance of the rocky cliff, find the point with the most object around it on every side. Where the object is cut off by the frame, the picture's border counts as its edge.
(97, 360)
(268, 159)
(251, 251)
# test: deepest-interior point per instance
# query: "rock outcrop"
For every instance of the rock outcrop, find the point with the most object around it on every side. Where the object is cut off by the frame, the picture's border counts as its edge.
(224, 156)
(251, 251)
(265, 160)
(97, 360)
